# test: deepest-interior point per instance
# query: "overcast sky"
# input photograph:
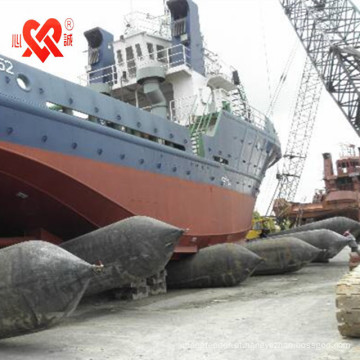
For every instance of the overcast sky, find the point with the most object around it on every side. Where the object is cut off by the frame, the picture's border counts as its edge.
(252, 35)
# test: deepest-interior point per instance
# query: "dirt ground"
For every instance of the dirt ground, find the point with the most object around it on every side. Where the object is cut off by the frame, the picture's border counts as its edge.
(277, 317)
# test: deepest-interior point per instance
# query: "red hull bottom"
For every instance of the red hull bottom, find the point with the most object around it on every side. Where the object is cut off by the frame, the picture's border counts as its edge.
(69, 196)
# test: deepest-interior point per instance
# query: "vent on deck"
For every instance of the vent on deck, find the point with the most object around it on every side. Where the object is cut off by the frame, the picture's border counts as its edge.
(179, 27)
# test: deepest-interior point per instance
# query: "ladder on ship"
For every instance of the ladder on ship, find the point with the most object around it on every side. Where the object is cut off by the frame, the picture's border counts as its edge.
(199, 127)
(240, 104)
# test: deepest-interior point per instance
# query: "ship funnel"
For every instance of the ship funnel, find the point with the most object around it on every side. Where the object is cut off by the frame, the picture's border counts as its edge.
(100, 58)
(185, 31)
(328, 173)
(328, 165)
(151, 77)
(100, 49)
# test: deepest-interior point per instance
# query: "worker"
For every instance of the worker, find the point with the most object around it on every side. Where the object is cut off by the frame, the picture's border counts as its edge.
(355, 252)
(264, 232)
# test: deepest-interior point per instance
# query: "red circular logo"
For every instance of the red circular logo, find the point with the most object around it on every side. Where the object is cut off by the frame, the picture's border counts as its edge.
(69, 24)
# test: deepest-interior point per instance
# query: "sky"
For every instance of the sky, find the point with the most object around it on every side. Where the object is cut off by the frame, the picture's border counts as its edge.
(254, 36)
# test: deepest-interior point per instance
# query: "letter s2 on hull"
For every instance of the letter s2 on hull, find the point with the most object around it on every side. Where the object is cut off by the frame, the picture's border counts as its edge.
(6, 66)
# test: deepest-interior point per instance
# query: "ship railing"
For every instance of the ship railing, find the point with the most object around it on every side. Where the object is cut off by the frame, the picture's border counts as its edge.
(182, 110)
(155, 25)
(168, 58)
(347, 150)
(221, 100)
(239, 104)
(124, 73)
(257, 118)
(106, 75)
(215, 66)
(231, 101)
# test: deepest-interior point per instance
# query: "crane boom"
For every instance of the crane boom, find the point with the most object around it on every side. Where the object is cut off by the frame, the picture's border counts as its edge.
(300, 132)
(330, 33)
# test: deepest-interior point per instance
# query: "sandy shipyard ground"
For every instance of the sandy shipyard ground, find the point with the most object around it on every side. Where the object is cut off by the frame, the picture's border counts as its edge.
(277, 317)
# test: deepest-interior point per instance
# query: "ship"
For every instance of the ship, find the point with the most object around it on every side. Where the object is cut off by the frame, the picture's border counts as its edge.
(339, 197)
(157, 126)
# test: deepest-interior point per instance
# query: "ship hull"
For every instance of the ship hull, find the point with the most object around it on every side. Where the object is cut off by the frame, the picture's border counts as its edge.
(336, 203)
(63, 175)
(38, 188)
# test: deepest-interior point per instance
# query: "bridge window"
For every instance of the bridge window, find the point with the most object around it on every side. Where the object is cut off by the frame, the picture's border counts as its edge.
(130, 61)
(138, 50)
(150, 48)
(119, 56)
(161, 53)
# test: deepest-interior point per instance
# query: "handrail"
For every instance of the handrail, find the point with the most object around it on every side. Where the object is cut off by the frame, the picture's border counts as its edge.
(168, 58)
(215, 66)
(155, 25)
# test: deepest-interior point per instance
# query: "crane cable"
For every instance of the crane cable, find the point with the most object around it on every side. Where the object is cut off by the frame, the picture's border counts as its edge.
(282, 80)
(265, 50)
(273, 98)
(269, 184)
(272, 183)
